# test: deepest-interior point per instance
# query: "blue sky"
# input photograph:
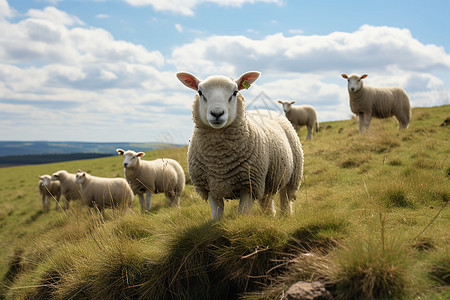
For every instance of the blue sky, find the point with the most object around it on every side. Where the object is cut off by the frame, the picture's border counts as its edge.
(104, 70)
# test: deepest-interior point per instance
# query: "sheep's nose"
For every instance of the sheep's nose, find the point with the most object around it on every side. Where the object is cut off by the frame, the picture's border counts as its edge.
(352, 89)
(217, 114)
(125, 165)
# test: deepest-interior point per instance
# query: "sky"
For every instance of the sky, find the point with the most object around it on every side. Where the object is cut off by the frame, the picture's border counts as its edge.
(104, 70)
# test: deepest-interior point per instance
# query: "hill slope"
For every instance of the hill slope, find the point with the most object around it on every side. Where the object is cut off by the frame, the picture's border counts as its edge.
(371, 220)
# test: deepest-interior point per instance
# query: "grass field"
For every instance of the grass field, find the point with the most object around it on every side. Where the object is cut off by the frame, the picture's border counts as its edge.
(371, 221)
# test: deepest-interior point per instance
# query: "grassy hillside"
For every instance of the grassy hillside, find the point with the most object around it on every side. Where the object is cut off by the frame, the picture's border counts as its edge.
(371, 221)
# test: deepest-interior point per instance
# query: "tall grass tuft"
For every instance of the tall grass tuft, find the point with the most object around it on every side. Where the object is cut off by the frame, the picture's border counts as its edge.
(185, 271)
(364, 269)
(439, 269)
(396, 196)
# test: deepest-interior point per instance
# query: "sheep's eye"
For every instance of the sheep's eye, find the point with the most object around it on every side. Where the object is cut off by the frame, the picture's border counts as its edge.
(201, 95)
(231, 97)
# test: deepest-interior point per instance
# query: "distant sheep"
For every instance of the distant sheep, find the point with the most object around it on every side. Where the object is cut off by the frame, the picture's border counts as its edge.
(104, 192)
(368, 102)
(69, 188)
(301, 115)
(232, 156)
(49, 190)
(163, 175)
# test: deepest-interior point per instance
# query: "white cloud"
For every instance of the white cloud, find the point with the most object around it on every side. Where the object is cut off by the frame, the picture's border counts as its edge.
(367, 49)
(55, 16)
(185, 7)
(102, 16)
(295, 31)
(179, 28)
(5, 10)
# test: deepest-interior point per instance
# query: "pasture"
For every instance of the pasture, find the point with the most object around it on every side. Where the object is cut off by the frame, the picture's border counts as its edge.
(371, 220)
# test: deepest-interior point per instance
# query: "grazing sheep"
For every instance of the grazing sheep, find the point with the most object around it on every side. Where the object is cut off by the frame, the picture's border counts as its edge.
(69, 188)
(301, 115)
(368, 102)
(104, 192)
(163, 175)
(232, 156)
(49, 190)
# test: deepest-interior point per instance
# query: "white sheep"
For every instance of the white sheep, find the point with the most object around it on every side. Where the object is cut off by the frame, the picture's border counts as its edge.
(301, 115)
(69, 188)
(163, 175)
(368, 102)
(49, 190)
(232, 156)
(104, 192)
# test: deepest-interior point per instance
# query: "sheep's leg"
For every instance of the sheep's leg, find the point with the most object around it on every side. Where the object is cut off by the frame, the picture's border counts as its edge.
(44, 206)
(66, 204)
(361, 122)
(285, 202)
(176, 200)
(148, 200)
(245, 203)
(367, 118)
(141, 202)
(57, 202)
(267, 204)
(402, 124)
(308, 137)
(217, 206)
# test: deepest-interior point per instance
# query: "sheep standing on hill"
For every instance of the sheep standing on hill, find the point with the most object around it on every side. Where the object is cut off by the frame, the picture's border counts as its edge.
(49, 190)
(162, 175)
(368, 102)
(69, 188)
(301, 115)
(231, 156)
(104, 192)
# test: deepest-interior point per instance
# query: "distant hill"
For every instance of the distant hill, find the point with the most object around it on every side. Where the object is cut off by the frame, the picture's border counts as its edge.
(26, 153)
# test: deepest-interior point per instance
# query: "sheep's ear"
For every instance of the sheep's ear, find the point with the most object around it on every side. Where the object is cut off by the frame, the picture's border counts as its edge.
(188, 80)
(292, 102)
(140, 154)
(281, 102)
(120, 151)
(247, 79)
(344, 75)
(364, 76)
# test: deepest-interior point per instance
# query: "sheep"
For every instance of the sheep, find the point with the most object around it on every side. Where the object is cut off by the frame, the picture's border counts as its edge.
(69, 188)
(232, 156)
(49, 190)
(104, 192)
(368, 102)
(301, 115)
(162, 175)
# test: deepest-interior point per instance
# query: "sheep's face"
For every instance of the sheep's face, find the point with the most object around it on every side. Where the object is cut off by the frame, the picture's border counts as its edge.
(217, 101)
(56, 176)
(354, 82)
(218, 96)
(46, 180)
(130, 158)
(80, 177)
(286, 105)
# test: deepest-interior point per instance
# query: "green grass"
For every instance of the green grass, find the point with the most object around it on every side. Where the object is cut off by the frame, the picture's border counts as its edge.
(371, 221)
